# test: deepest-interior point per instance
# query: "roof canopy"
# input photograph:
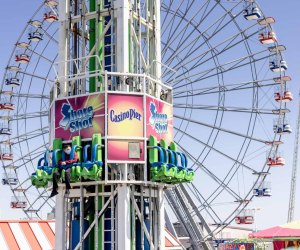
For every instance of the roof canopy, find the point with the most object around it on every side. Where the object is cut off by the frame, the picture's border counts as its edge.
(289, 230)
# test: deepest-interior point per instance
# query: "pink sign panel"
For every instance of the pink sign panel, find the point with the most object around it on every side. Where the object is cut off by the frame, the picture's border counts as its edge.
(125, 115)
(159, 119)
(82, 115)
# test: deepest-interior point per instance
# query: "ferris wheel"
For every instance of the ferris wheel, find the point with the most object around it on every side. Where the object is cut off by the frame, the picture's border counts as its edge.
(230, 94)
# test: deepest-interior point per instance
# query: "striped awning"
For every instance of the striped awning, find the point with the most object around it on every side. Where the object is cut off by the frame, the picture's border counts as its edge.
(27, 235)
(40, 235)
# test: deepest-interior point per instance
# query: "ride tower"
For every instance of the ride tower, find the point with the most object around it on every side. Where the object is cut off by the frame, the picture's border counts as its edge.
(110, 104)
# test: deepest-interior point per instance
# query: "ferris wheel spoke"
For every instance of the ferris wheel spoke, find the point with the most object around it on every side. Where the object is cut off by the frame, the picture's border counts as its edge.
(41, 194)
(167, 11)
(208, 209)
(40, 55)
(234, 64)
(46, 201)
(24, 160)
(219, 128)
(29, 115)
(28, 135)
(182, 32)
(22, 183)
(30, 96)
(209, 173)
(224, 108)
(196, 27)
(180, 48)
(28, 157)
(216, 150)
(51, 37)
(230, 45)
(34, 75)
(224, 184)
(207, 76)
(170, 24)
(217, 88)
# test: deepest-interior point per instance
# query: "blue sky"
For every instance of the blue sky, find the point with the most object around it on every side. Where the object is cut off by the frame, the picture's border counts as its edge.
(273, 211)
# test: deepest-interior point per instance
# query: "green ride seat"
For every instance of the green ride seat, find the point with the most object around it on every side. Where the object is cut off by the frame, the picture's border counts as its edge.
(167, 164)
(190, 173)
(44, 172)
(39, 183)
(91, 170)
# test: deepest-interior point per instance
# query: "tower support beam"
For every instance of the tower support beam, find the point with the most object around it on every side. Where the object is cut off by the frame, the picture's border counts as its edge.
(294, 170)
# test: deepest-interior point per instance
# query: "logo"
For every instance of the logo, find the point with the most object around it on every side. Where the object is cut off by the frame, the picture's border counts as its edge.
(76, 120)
(130, 114)
(158, 121)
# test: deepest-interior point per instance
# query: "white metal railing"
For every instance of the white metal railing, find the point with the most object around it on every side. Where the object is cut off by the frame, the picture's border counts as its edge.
(81, 69)
(113, 81)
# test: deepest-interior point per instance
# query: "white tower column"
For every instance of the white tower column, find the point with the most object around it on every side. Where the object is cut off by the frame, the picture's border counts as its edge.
(157, 38)
(161, 219)
(122, 35)
(63, 46)
(122, 65)
(123, 213)
(60, 234)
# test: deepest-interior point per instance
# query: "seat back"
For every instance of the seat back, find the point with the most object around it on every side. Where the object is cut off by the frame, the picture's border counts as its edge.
(85, 152)
(55, 157)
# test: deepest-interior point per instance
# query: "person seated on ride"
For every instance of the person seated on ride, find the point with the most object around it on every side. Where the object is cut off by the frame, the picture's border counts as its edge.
(63, 165)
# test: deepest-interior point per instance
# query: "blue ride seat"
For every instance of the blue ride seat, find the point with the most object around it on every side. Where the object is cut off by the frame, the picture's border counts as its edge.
(162, 170)
(181, 169)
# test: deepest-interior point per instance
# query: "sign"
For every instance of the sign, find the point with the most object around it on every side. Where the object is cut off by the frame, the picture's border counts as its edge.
(125, 115)
(159, 119)
(75, 120)
(82, 115)
(236, 246)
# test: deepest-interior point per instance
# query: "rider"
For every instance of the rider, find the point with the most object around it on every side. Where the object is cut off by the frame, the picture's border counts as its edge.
(61, 164)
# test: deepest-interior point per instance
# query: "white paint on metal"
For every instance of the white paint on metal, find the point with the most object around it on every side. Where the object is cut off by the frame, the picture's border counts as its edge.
(123, 218)
(60, 221)
(63, 44)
